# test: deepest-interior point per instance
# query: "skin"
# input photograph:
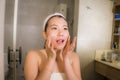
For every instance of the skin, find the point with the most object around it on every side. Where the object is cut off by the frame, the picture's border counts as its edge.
(58, 55)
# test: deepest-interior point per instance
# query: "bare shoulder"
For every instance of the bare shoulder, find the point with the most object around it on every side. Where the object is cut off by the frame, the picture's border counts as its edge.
(75, 57)
(35, 54)
(32, 53)
(32, 62)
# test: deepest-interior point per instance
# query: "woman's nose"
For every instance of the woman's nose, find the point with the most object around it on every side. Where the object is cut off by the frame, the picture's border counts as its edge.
(60, 32)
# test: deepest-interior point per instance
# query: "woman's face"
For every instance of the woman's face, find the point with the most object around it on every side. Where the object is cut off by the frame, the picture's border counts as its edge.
(57, 32)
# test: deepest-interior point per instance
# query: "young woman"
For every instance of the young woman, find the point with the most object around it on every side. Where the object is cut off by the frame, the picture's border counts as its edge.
(57, 61)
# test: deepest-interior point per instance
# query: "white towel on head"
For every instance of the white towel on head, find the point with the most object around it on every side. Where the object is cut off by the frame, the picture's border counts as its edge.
(49, 16)
(58, 76)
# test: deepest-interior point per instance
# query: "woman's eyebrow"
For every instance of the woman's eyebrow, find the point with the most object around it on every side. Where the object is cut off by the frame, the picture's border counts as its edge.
(57, 25)
(53, 24)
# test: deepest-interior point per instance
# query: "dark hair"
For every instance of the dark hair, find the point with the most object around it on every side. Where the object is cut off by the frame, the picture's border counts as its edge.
(46, 25)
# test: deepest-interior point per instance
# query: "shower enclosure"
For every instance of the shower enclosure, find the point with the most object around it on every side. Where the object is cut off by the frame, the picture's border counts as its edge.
(23, 31)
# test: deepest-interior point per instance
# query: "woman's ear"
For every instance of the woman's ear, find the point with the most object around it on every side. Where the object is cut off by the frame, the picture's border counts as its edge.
(44, 35)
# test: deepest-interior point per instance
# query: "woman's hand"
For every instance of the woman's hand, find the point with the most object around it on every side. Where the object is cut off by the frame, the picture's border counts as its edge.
(69, 48)
(50, 49)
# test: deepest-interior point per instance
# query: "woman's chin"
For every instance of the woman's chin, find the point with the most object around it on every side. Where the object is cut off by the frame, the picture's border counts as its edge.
(59, 47)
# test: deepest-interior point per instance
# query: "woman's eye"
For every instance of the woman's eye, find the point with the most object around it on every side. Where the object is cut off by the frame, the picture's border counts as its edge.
(54, 28)
(65, 28)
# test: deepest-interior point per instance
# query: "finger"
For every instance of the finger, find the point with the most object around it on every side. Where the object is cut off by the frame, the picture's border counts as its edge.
(73, 43)
(68, 41)
(48, 42)
(52, 46)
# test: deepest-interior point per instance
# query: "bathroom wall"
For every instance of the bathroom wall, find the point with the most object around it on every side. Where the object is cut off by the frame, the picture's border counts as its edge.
(93, 32)
(31, 15)
(2, 11)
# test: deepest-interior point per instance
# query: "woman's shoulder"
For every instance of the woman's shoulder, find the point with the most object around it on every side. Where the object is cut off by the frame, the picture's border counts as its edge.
(35, 54)
(75, 56)
(36, 51)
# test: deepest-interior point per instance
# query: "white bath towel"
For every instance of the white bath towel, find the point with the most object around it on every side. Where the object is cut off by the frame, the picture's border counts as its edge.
(58, 76)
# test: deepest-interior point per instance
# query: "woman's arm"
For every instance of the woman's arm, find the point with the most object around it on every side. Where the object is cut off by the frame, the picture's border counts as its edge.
(31, 67)
(73, 70)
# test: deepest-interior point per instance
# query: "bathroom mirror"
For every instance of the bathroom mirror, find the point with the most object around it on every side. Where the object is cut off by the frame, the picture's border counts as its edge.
(23, 30)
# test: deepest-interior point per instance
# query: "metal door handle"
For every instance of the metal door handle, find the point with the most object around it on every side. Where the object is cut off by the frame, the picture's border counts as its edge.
(9, 54)
(20, 54)
(10, 51)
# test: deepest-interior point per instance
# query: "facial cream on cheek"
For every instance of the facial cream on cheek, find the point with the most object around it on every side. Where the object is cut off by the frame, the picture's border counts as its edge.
(52, 35)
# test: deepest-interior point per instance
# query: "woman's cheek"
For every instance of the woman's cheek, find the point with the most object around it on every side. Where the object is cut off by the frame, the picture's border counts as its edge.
(52, 38)
(52, 35)
(67, 35)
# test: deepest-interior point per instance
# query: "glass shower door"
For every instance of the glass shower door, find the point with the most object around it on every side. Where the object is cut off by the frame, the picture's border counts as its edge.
(8, 39)
(22, 33)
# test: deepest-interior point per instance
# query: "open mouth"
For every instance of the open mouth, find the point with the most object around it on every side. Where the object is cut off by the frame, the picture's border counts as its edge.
(60, 41)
